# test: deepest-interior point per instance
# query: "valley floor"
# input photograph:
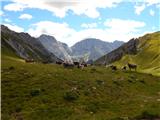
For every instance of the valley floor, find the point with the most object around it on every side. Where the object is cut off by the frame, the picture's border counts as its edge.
(50, 92)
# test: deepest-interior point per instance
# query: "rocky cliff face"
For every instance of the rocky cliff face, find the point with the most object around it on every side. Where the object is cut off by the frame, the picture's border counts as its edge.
(61, 50)
(49, 49)
(127, 48)
(95, 48)
(25, 46)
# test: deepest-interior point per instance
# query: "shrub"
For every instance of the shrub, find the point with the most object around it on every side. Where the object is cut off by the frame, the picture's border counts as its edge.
(18, 108)
(11, 68)
(71, 96)
(142, 81)
(92, 107)
(147, 115)
(116, 82)
(35, 92)
(93, 70)
(129, 80)
(100, 82)
(121, 118)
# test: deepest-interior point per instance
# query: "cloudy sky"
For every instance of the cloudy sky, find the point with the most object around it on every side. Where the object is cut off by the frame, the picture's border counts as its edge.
(70, 21)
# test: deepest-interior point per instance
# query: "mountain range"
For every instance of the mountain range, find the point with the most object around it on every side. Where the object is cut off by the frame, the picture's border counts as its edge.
(24, 46)
(47, 48)
(61, 50)
(143, 51)
(94, 48)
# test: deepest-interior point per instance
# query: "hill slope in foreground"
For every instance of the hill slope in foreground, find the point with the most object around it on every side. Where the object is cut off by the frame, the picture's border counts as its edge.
(50, 92)
(146, 55)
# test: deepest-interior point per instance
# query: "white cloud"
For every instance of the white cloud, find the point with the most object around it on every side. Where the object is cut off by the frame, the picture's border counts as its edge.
(152, 2)
(124, 25)
(61, 7)
(7, 20)
(61, 31)
(89, 25)
(116, 29)
(15, 28)
(119, 29)
(139, 9)
(14, 7)
(79, 7)
(1, 13)
(151, 12)
(25, 16)
(145, 3)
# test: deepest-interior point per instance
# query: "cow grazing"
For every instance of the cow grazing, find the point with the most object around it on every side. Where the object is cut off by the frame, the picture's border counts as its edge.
(29, 60)
(76, 63)
(132, 66)
(80, 66)
(59, 62)
(46, 62)
(85, 64)
(68, 65)
(113, 67)
(124, 68)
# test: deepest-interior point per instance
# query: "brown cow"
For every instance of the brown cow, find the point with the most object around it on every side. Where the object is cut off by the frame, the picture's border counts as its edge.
(80, 66)
(132, 66)
(68, 65)
(124, 68)
(113, 67)
(29, 60)
(59, 62)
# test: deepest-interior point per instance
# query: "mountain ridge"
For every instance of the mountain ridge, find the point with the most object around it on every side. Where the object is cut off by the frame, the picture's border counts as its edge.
(61, 50)
(24, 46)
(143, 51)
(94, 47)
(88, 49)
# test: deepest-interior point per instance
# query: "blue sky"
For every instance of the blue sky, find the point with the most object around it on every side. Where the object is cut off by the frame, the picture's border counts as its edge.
(70, 21)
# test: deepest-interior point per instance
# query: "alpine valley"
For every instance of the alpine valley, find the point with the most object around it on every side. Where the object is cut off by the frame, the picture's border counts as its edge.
(38, 83)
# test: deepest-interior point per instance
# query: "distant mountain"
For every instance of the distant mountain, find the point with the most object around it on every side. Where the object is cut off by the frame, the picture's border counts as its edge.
(61, 50)
(24, 46)
(94, 48)
(47, 47)
(117, 54)
(143, 51)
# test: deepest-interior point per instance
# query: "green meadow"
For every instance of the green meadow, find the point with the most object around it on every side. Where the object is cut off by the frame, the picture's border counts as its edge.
(35, 91)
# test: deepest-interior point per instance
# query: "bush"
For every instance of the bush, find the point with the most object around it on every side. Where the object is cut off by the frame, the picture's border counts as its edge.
(129, 80)
(119, 118)
(35, 92)
(116, 82)
(11, 68)
(142, 81)
(18, 108)
(71, 96)
(147, 115)
(92, 107)
(93, 70)
(99, 82)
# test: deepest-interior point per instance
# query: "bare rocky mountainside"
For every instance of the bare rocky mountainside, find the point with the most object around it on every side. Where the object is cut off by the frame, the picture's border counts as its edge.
(61, 50)
(24, 46)
(143, 51)
(47, 48)
(90, 48)
(94, 48)
(127, 48)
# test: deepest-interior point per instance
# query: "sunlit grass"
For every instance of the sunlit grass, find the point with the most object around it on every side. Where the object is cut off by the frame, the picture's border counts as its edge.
(50, 92)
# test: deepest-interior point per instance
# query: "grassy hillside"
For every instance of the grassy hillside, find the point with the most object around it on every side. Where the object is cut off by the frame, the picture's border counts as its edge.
(148, 55)
(24, 46)
(50, 92)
